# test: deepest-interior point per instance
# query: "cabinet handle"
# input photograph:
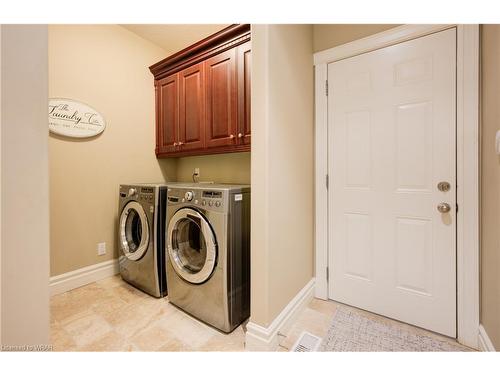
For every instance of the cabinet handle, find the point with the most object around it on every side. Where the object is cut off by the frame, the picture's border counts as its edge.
(231, 136)
(175, 144)
(240, 135)
(181, 143)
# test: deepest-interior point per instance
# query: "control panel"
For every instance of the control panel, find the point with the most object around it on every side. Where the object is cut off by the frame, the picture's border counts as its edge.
(206, 199)
(145, 194)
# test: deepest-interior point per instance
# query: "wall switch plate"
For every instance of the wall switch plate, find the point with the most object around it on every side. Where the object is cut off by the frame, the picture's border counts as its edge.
(101, 248)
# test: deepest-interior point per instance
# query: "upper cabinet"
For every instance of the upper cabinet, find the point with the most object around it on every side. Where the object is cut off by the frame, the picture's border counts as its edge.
(203, 96)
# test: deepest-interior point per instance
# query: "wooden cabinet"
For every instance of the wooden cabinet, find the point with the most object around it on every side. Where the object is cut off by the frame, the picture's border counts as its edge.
(222, 122)
(191, 108)
(244, 63)
(203, 96)
(167, 114)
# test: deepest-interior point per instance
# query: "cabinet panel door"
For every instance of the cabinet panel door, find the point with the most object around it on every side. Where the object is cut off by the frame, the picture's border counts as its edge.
(221, 99)
(167, 120)
(244, 62)
(191, 108)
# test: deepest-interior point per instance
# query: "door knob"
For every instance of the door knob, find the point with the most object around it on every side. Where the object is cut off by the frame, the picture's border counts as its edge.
(240, 135)
(443, 207)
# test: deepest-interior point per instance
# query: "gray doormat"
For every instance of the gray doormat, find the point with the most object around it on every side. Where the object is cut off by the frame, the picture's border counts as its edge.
(352, 332)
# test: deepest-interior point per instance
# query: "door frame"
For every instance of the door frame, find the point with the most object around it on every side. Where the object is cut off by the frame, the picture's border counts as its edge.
(467, 161)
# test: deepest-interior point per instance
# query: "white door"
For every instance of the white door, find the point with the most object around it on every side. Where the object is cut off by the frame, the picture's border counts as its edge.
(391, 126)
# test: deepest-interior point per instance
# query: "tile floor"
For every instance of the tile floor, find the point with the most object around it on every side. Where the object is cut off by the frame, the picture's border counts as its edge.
(110, 315)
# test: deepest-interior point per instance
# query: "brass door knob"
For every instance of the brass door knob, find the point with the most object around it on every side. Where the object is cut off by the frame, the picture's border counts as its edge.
(443, 207)
(240, 135)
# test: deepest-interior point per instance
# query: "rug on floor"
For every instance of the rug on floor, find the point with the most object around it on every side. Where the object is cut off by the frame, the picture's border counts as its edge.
(352, 332)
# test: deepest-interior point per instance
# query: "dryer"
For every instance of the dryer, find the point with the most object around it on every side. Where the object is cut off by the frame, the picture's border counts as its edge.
(142, 236)
(208, 252)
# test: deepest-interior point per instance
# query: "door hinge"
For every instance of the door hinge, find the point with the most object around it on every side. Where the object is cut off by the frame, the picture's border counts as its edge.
(326, 87)
(327, 274)
(327, 182)
(457, 207)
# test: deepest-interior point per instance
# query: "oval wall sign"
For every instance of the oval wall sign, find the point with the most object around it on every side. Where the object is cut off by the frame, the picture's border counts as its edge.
(72, 118)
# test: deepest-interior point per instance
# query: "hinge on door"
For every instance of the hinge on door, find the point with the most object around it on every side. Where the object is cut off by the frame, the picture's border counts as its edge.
(327, 274)
(327, 182)
(326, 87)
(457, 207)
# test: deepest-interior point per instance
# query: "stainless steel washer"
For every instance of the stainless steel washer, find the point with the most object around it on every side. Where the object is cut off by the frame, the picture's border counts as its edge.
(208, 252)
(141, 236)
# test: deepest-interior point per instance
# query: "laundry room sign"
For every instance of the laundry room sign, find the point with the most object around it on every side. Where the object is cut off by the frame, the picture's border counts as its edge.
(75, 119)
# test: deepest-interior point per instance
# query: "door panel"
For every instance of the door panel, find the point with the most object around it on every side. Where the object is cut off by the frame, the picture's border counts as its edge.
(191, 108)
(221, 99)
(167, 122)
(244, 56)
(392, 124)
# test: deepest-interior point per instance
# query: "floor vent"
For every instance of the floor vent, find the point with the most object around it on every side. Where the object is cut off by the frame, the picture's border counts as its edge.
(306, 343)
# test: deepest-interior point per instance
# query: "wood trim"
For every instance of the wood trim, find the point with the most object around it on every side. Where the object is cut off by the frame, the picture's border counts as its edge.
(205, 151)
(467, 161)
(376, 41)
(223, 40)
(83, 276)
(485, 344)
(259, 338)
(468, 184)
(321, 171)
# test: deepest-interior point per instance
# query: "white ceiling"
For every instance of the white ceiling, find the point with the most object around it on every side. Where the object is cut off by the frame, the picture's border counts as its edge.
(174, 38)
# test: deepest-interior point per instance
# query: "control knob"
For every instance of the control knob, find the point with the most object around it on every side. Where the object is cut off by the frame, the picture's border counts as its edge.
(132, 192)
(189, 196)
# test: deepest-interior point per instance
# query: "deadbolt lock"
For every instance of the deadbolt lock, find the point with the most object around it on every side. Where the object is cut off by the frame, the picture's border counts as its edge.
(444, 186)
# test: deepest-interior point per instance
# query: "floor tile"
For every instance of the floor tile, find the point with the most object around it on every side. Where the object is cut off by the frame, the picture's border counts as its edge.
(87, 329)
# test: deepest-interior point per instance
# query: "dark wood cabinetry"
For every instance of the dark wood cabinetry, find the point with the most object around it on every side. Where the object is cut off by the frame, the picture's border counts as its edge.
(203, 96)
(244, 63)
(167, 114)
(191, 108)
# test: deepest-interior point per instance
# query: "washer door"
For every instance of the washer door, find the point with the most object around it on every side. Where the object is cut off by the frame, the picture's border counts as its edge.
(134, 231)
(192, 247)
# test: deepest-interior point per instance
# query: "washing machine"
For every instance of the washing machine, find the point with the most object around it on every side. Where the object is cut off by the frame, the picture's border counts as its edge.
(208, 252)
(141, 226)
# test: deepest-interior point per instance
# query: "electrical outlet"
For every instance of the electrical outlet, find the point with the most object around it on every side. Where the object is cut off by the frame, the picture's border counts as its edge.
(197, 172)
(101, 248)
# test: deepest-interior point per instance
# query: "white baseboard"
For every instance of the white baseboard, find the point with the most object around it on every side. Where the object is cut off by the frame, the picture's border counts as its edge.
(259, 338)
(485, 344)
(83, 276)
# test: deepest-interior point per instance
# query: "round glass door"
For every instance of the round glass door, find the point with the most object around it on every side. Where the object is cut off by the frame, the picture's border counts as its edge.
(134, 231)
(192, 248)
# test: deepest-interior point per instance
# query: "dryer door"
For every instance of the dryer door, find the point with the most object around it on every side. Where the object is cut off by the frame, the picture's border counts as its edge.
(134, 231)
(192, 246)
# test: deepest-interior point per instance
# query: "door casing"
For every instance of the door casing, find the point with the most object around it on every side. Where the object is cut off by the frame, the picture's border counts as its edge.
(467, 162)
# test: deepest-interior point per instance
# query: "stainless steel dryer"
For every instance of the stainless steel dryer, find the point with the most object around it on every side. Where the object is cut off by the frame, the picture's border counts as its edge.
(141, 236)
(208, 247)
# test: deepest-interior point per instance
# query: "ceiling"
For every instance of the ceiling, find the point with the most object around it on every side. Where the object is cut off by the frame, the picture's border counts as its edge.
(173, 38)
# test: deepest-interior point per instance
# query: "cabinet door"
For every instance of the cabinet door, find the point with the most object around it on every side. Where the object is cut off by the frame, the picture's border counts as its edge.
(191, 108)
(244, 63)
(221, 126)
(167, 114)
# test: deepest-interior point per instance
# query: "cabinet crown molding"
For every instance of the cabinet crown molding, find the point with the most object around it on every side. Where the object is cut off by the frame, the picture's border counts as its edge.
(216, 43)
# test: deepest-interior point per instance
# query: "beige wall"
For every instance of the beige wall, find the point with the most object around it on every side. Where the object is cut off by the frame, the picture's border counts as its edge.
(105, 66)
(282, 167)
(490, 184)
(25, 186)
(223, 168)
(332, 35)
